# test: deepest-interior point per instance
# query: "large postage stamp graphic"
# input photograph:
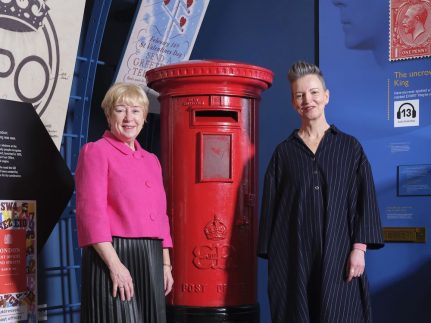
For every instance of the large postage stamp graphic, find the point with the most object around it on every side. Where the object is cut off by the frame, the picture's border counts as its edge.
(410, 29)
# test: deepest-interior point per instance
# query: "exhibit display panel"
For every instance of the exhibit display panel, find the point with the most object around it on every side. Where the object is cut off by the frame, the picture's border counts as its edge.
(376, 56)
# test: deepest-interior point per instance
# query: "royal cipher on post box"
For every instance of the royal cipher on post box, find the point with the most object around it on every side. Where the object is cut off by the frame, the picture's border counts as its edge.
(209, 120)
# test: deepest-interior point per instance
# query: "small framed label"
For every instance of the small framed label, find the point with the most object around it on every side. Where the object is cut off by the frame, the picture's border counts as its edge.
(405, 234)
(406, 113)
(414, 180)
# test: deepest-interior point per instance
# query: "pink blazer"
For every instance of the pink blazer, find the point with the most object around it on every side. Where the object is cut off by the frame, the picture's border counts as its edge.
(119, 192)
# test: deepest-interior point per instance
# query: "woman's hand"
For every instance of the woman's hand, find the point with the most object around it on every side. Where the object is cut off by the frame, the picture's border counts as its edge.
(122, 283)
(168, 280)
(355, 264)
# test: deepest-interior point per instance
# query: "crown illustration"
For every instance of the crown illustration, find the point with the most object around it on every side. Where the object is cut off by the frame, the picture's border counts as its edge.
(22, 15)
(215, 229)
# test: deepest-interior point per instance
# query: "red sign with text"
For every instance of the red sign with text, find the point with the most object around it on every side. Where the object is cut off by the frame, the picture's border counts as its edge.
(12, 261)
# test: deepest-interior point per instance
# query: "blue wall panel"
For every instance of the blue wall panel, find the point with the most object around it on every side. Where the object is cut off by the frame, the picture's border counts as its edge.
(354, 54)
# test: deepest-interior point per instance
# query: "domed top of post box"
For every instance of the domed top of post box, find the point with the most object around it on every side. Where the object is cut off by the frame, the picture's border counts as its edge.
(209, 77)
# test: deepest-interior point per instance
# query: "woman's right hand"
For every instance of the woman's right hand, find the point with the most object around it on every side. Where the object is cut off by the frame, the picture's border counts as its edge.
(122, 282)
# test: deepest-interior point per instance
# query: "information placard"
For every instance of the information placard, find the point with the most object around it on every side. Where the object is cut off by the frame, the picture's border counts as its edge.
(18, 261)
(414, 180)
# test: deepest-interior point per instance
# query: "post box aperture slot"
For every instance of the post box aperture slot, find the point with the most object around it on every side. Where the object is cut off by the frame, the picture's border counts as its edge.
(215, 117)
(215, 157)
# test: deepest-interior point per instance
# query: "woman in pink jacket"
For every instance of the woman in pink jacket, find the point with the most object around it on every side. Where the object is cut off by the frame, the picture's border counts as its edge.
(121, 217)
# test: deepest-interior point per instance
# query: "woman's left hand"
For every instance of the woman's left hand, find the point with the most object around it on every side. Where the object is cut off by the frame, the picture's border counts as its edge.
(355, 264)
(168, 280)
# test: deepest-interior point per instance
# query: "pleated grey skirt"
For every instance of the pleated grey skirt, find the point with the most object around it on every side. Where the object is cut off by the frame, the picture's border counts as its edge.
(144, 259)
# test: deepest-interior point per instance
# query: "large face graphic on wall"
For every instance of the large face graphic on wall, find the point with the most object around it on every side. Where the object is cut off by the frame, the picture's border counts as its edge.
(361, 20)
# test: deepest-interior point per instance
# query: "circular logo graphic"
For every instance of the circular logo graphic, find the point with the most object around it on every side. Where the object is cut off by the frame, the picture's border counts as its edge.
(29, 53)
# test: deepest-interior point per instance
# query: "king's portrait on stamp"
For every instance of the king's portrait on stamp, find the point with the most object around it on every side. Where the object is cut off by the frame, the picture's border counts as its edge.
(410, 29)
(414, 20)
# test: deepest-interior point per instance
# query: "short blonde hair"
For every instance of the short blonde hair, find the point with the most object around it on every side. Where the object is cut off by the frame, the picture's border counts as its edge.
(125, 93)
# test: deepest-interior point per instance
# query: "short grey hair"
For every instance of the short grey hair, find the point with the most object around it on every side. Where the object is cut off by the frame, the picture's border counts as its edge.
(303, 68)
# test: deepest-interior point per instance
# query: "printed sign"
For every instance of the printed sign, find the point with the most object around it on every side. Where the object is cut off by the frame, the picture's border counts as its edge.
(18, 261)
(414, 180)
(406, 113)
(35, 66)
(31, 167)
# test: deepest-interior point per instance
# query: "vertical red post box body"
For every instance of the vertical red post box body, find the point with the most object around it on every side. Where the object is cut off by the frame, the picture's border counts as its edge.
(209, 115)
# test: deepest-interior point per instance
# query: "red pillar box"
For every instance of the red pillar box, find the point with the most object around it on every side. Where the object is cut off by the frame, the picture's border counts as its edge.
(209, 121)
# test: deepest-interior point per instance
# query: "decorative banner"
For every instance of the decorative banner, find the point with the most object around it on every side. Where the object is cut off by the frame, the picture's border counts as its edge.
(163, 32)
(38, 45)
(18, 261)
